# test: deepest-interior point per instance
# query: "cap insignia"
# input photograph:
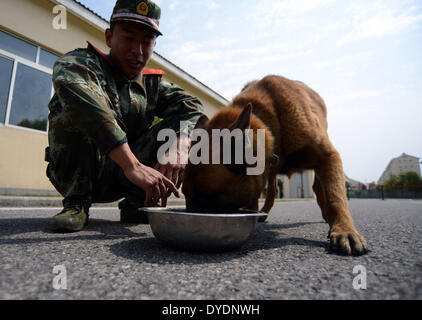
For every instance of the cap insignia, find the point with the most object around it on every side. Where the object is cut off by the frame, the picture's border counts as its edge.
(142, 8)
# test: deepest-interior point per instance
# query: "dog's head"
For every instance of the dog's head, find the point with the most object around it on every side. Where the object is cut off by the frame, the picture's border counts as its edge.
(221, 175)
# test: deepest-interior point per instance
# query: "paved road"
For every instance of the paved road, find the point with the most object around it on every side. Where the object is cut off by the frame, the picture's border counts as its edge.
(286, 258)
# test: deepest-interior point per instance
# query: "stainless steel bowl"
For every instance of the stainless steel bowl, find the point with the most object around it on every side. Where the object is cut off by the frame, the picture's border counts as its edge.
(202, 231)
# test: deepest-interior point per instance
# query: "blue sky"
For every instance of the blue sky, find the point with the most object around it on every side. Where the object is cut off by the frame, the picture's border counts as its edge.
(362, 56)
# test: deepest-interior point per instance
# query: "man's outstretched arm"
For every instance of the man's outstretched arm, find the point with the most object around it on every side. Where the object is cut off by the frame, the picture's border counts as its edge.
(150, 180)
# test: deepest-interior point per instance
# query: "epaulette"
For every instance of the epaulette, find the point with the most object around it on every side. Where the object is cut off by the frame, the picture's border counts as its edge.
(152, 79)
(153, 72)
(103, 55)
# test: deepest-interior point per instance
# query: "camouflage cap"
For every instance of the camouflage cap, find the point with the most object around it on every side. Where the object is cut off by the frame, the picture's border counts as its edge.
(142, 11)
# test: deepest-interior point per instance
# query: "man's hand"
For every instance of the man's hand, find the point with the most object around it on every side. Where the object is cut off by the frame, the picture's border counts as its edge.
(176, 160)
(155, 184)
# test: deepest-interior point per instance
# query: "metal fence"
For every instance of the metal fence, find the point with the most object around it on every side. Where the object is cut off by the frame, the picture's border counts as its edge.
(382, 192)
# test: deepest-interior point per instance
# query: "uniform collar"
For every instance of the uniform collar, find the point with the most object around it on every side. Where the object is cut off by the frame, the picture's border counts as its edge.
(119, 76)
(102, 54)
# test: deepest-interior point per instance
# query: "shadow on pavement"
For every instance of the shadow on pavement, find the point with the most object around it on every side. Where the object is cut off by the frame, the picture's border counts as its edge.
(105, 229)
(141, 249)
(264, 237)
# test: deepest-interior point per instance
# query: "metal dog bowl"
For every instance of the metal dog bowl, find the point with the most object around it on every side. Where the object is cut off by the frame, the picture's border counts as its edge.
(202, 231)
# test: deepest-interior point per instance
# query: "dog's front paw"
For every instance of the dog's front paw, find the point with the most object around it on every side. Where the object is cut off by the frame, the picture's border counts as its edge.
(347, 241)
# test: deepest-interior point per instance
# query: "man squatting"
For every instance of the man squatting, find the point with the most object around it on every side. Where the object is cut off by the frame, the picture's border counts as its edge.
(104, 118)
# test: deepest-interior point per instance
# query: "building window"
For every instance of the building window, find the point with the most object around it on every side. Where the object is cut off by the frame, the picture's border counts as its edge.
(25, 83)
(47, 58)
(18, 47)
(6, 68)
(29, 107)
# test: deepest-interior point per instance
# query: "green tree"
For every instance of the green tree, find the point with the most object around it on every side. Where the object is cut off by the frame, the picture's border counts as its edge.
(392, 181)
(411, 180)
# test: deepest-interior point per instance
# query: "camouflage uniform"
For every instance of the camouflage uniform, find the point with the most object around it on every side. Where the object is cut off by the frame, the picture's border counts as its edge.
(95, 109)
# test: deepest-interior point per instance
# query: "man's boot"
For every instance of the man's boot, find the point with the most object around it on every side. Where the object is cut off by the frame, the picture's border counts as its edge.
(129, 212)
(74, 216)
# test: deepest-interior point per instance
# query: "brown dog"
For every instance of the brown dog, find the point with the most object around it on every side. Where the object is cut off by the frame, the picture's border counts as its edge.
(295, 121)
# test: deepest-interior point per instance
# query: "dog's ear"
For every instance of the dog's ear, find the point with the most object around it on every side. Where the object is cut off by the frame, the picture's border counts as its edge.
(201, 122)
(244, 120)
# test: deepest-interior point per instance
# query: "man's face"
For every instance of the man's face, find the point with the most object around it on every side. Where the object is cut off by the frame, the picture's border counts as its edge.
(132, 45)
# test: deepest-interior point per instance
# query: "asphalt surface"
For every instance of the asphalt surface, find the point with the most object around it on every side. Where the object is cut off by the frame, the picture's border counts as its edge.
(285, 258)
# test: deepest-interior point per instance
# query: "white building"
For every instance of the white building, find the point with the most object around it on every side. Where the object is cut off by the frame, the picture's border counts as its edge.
(298, 186)
(404, 163)
(353, 183)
